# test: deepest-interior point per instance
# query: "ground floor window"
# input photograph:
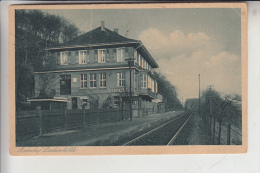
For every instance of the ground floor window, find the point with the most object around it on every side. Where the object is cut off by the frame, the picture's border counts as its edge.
(65, 84)
(116, 100)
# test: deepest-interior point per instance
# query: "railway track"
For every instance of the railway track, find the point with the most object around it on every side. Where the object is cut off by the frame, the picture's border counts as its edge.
(162, 135)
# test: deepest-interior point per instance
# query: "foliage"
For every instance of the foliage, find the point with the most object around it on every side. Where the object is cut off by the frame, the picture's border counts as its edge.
(227, 108)
(170, 99)
(34, 31)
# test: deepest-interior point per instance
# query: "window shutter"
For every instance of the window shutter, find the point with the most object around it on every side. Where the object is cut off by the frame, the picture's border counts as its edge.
(96, 56)
(72, 59)
(117, 78)
(88, 56)
(115, 55)
(69, 58)
(76, 57)
(58, 58)
(126, 53)
(107, 55)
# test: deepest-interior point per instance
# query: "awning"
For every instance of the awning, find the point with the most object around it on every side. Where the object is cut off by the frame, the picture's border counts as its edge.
(156, 100)
(49, 99)
(147, 97)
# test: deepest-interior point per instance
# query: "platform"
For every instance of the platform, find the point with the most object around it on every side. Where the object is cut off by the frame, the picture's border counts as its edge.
(99, 135)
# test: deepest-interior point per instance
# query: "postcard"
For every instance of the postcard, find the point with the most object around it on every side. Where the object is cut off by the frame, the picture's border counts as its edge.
(128, 79)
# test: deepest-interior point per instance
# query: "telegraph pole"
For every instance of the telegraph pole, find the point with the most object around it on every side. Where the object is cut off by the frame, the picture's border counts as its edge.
(182, 103)
(130, 67)
(210, 110)
(199, 94)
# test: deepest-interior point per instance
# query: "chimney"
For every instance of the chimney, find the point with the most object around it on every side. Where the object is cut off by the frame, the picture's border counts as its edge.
(116, 30)
(102, 26)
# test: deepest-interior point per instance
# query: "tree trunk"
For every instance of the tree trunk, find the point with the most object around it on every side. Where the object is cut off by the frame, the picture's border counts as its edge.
(214, 124)
(228, 133)
(219, 132)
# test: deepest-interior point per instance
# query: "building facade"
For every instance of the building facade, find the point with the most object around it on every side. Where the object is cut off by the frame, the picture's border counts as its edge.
(192, 104)
(93, 71)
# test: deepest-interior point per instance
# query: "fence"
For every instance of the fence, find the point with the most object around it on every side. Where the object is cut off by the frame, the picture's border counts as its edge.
(224, 133)
(36, 123)
(230, 135)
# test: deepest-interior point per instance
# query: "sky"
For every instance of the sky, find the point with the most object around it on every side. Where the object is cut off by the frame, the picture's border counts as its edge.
(184, 42)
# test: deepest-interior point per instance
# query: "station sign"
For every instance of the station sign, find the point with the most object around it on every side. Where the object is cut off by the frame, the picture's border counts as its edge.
(118, 90)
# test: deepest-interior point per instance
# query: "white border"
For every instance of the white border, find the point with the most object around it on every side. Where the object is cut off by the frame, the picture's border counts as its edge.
(248, 162)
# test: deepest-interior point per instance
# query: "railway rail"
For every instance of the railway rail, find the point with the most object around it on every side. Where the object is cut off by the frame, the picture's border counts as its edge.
(162, 135)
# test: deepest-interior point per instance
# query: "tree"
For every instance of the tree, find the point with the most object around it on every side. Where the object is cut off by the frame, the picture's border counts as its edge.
(220, 109)
(34, 31)
(168, 91)
(229, 110)
(211, 108)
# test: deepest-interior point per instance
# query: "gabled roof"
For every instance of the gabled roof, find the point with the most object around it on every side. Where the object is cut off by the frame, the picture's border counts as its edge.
(96, 36)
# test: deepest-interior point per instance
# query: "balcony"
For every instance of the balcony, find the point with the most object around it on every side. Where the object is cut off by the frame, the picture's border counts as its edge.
(147, 94)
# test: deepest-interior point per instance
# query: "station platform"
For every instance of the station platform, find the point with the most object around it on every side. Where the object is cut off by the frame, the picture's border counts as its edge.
(99, 135)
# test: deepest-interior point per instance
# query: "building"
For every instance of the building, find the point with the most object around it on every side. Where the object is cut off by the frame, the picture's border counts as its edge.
(192, 104)
(92, 71)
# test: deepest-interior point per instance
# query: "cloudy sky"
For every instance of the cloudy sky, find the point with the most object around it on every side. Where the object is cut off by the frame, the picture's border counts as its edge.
(184, 42)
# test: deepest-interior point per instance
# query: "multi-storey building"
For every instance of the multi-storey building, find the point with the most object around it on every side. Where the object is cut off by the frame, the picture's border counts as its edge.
(92, 71)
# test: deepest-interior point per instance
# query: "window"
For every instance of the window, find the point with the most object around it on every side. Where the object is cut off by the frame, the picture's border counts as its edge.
(142, 63)
(149, 82)
(93, 80)
(152, 85)
(83, 57)
(101, 56)
(139, 58)
(84, 102)
(83, 81)
(120, 54)
(65, 84)
(116, 100)
(121, 79)
(74, 102)
(144, 81)
(64, 58)
(102, 80)
(135, 57)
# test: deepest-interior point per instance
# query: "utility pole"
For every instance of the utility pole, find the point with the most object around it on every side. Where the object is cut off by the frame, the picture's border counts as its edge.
(130, 67)
(182, 103)
(210, 110)
(199, 94)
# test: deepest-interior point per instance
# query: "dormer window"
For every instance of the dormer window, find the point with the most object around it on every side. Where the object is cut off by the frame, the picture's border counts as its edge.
(101, 55)
(64, 58)
(120, 54)
(83, 57)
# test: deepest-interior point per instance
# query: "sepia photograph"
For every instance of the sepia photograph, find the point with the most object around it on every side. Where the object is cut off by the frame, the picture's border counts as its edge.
(128, 79)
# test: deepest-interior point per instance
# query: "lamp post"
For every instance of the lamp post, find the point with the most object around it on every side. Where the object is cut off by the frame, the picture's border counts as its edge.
(130, 60)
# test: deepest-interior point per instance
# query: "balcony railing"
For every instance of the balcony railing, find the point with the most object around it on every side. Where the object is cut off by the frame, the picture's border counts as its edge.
(148, 92)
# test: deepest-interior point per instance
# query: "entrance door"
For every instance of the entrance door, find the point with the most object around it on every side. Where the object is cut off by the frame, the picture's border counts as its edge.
(74, 103)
